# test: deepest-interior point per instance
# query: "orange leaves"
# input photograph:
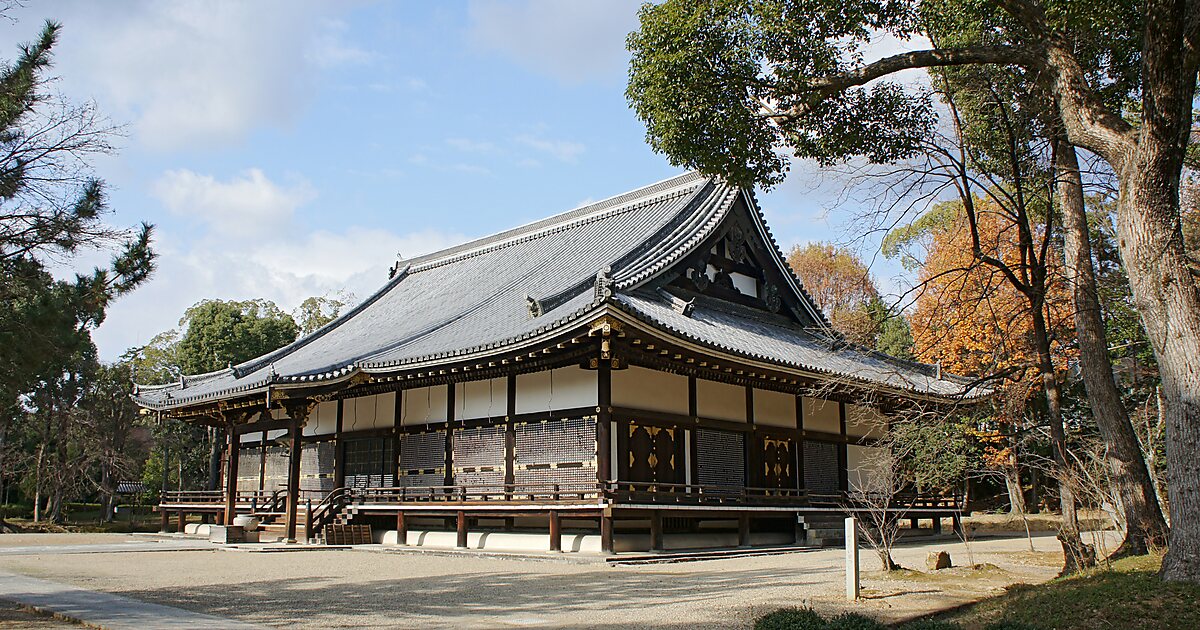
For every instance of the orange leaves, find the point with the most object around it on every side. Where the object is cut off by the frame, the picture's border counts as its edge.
(841, 285)
(969, 315)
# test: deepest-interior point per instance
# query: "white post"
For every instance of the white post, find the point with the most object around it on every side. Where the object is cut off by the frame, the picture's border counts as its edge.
(852, 585)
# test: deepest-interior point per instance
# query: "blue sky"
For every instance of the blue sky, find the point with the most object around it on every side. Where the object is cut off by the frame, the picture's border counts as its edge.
(289, 149)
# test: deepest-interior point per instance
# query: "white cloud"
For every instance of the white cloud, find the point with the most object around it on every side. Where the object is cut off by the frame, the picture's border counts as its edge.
(247, 206)
(330, 50)
(198, 73)
(466, 145)
(286, 264)
(570, 41)
(562, 150)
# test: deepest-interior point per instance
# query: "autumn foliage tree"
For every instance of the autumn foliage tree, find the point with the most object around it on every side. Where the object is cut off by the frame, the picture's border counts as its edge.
(970, 319)
(842, 286)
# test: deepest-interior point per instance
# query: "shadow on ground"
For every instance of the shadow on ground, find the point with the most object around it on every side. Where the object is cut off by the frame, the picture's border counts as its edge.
(590, 598)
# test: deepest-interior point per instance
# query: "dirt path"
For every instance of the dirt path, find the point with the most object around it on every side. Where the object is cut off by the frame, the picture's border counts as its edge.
(370, 589)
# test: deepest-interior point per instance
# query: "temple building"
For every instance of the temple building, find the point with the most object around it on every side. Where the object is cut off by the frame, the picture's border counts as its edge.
(644, 372)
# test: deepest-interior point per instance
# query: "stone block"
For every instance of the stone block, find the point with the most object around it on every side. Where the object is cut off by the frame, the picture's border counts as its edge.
(937, 560)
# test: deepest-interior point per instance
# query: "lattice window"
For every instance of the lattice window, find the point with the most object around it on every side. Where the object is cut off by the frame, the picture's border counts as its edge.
(821, 467)
(423, 459)
(720, 458)
(249, 468)
(479, 456)
(368, 463)
(317, 466)
(277, 468)
(556, 452)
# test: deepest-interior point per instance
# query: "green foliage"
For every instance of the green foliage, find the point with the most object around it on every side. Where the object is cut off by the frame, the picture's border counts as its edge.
(895, 334)
(808, 619)
(903, 240)
(317, 311)
(790, 619)
(930, 624)
(935, 454)
(218, 333)
(853, 621)
(703, 73)
(51, 206)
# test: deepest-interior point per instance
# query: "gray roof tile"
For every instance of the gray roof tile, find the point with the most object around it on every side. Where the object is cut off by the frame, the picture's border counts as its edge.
(472, 299)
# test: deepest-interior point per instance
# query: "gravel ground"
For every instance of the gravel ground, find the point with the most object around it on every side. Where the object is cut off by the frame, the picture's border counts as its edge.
(370, 588)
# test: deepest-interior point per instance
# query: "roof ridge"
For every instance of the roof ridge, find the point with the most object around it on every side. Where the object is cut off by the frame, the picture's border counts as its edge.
(605, 207)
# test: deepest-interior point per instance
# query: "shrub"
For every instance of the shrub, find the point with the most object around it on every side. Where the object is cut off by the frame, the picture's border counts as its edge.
(791, 619)
(853, 621)
(1010, 625)
(930, 624)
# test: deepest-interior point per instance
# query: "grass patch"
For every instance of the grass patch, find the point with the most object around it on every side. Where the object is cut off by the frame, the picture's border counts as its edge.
(1128, 594)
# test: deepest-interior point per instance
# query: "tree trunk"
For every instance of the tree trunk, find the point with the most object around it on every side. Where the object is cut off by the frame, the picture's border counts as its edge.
(1012, 482)
(37, 483)
(1076, 555)
(1145, 526)
(106, 491)
(1168, 299)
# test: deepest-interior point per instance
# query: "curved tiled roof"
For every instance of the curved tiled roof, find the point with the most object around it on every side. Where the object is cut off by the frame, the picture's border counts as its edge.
(473, 299)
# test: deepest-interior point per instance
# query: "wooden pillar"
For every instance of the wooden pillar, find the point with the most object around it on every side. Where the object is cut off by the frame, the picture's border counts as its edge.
(163, 518)
(604, 469)
(397, 432)
(293, 482)
(743, 530)
(799, 442)
(656, 531)
(937, 524)
(555, 532)
(339, 448)
(843, 455)
(753, 451)
(182, 521)
(232, 447)
(262, 463)
(510, 438)
(402, 527)
(956, 524)
(694, 415)
(914, 523)
(462, 530)
(449, 463)
(606, 534)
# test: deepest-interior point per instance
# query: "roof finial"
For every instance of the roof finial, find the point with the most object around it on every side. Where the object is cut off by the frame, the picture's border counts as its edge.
(604, 284)
(534, 306)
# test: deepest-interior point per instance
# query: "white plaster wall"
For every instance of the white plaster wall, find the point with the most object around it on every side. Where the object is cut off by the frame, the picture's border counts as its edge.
(720, 401)
(642, 388)
(774, 409)
(822, 415)
(863, 468)
(481, 399)
(423, 405)
(744, 284)
(323, 420)
(369, 412)
(863, 421)
(274, 435)
(568, 387)
(250, 437)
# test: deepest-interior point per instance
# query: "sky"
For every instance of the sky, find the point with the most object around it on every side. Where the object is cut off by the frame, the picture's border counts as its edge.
(286, 149)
